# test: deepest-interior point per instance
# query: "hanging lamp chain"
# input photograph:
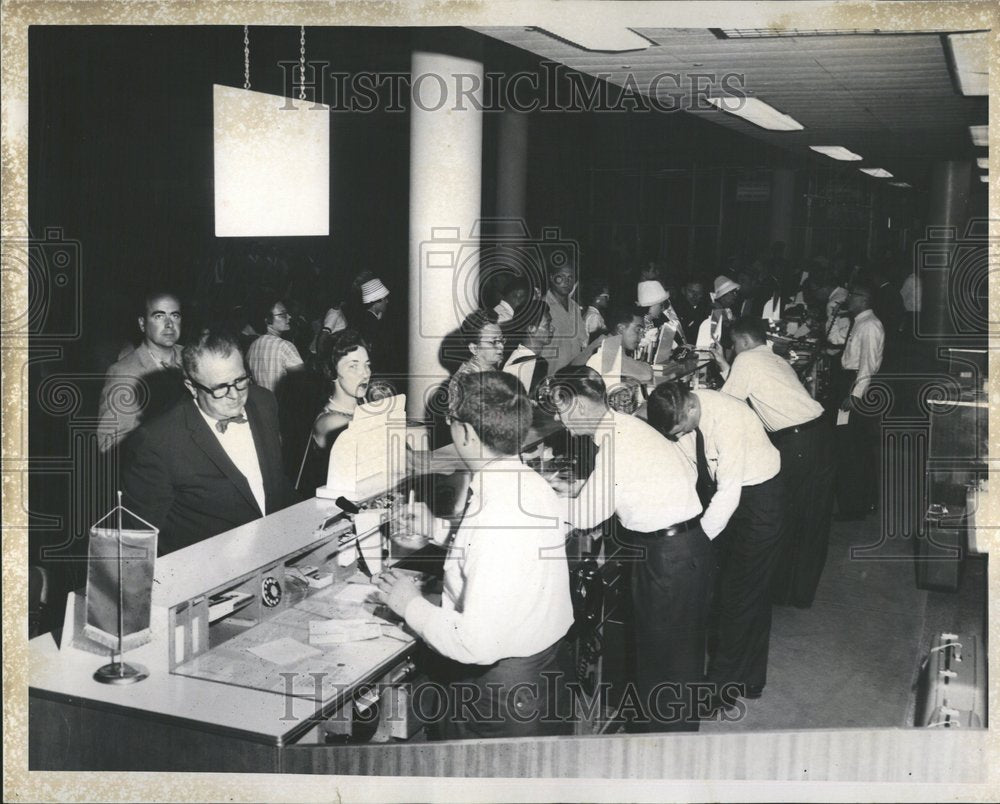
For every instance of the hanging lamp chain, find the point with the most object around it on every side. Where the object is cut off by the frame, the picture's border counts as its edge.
(246, 57)
(302, 62)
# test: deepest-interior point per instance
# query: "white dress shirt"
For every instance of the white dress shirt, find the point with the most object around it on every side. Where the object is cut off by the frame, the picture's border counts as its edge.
(593, 321)
(710, 329)
(840, 325)
(737, 450)
(504, 312)
(569, 334)
(524, 370)
(506, 580)
(238, 444)
(863, 351)
(911, 293)
(772, 387)
(639, 475)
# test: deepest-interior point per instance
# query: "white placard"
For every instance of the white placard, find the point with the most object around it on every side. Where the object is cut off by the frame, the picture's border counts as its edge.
(272, 165)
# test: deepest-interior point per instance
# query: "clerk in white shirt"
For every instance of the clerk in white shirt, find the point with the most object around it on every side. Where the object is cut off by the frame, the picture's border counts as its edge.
(648, 484)
(797, 427)
(726, 442)
(858, 450)
(506, 603)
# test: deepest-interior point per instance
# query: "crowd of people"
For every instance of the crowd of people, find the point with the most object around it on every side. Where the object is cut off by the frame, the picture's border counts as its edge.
(724, 497)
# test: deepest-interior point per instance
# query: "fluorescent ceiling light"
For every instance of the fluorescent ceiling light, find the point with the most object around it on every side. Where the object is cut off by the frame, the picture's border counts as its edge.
(836, 152)
(980, 135)
(899, 184)
(985, 177)
(593, 32)
(983, 162)
(757, 112)
(878, 173)
(969, 52)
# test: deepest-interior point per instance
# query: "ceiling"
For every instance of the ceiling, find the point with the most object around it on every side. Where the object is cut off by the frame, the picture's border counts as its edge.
(891, 98)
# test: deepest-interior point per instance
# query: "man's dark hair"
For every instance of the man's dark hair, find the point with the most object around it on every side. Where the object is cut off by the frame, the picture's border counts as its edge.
(516, 283)
(665, 405)
(554, 266)
(492, 403)
(622, 313)
(338, 346)
(752, 327)
(528, 317)
(865, 286)
(220, 343)
(571, 382)
(474, 323)
(265, 313)
(592, 288)
(156, 293)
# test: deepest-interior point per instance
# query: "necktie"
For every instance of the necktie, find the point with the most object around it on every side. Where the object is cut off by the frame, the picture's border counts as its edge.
(222, 424)
(705, 486)
(540, 372)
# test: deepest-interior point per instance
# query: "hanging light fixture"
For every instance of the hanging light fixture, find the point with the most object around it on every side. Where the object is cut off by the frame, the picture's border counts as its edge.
(272, 159)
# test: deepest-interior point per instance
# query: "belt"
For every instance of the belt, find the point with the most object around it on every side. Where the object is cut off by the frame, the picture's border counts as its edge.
(798, 428)
(673, 530)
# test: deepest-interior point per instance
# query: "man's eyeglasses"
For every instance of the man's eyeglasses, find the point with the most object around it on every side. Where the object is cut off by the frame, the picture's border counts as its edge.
(281, 315)
(497, 342)
(220, 391)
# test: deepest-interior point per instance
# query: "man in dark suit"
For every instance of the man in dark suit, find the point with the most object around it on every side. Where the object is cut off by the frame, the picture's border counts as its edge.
(212, 462)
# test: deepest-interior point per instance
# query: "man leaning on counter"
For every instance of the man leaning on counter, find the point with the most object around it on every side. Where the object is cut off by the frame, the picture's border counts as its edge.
(506, 604)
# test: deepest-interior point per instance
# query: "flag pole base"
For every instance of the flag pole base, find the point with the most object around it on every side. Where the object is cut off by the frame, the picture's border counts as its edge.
(119, 673)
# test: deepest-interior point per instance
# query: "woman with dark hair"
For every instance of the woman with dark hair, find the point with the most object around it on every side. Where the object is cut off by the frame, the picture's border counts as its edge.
(349, 372)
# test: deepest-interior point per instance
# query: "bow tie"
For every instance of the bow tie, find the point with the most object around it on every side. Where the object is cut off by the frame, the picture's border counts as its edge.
(222, 424)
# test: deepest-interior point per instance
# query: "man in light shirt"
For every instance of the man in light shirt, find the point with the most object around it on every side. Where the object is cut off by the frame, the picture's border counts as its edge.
(797, 427)
(270, 356)
(569, 334)
(726, 442)
(213, 461)
(648, 485)
(506, 604)
(147, 380)
(858, 449)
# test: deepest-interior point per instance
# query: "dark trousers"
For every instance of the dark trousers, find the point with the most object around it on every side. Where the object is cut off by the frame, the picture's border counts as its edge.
(858, 457)
(807, 476)
(671, 579)
(516, 697)
(748, 551)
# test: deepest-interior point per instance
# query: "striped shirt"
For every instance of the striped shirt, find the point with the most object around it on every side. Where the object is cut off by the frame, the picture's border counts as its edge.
(269, 357)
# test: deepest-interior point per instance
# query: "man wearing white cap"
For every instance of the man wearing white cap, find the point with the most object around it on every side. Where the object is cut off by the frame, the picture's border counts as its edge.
(724, 298)
(375, 300)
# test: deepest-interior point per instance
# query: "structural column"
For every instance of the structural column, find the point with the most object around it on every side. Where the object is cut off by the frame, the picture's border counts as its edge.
(512, 164)
(782, 206)
(446, 145)
(947, 214)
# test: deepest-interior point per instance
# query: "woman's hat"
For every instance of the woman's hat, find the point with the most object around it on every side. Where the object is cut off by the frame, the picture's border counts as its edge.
(651, 292)
(723, 285)
(373, 290)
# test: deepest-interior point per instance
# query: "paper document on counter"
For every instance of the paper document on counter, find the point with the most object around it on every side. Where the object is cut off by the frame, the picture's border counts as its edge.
(336, 632)
(284, 651)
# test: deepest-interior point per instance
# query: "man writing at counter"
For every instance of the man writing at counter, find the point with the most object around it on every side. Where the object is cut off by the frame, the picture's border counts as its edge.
(506, 603)
(726, 444)
(796, 426)
(648, 484)
(211, 462)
